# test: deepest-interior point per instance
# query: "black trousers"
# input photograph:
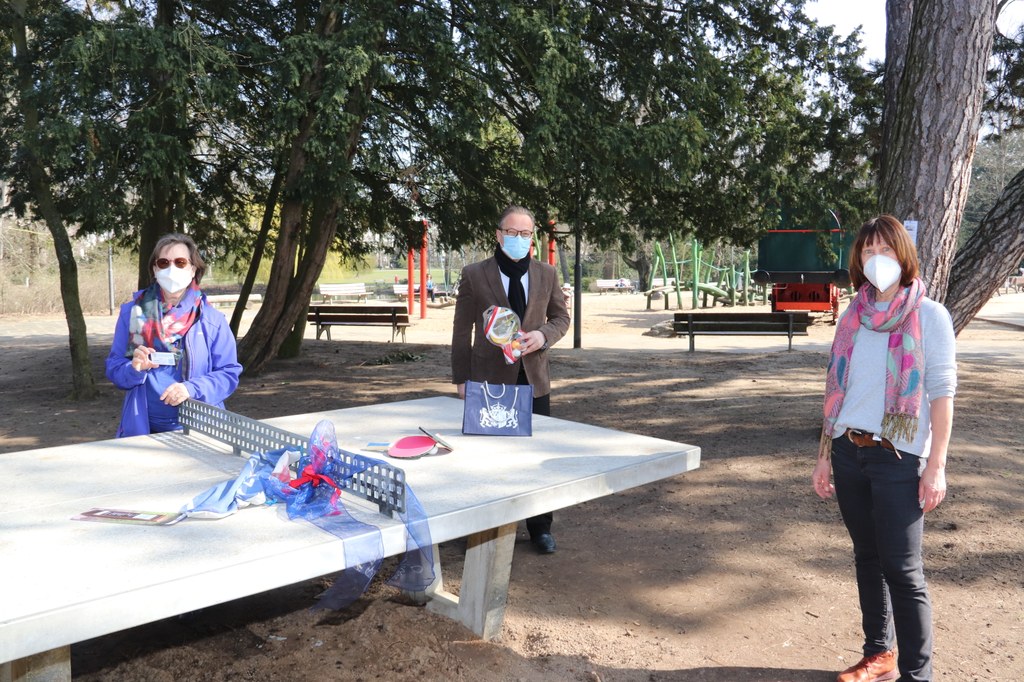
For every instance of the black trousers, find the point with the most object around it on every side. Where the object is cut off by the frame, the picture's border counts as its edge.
(877, 494)
(538, 525)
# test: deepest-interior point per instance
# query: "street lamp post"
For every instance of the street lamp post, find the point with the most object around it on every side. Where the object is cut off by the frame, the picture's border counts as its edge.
(559, 230)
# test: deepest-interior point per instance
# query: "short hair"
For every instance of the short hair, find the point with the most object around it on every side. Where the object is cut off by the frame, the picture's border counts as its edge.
(193, 252)
(890, 230)
(515, 210)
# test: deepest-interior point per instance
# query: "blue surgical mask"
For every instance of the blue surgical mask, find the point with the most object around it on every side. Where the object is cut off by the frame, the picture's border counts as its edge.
(516, 248)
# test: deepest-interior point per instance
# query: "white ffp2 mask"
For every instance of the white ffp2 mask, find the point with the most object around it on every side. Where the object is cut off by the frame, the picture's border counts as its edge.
(173, 279)
(882, 271)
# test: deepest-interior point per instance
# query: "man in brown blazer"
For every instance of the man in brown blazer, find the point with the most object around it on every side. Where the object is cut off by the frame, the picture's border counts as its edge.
(511, 279)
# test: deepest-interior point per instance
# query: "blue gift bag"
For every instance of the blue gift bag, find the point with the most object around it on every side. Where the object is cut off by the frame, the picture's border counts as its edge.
(498, 409)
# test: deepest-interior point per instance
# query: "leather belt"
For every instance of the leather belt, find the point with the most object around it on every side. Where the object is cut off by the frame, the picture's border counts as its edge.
(865, 439)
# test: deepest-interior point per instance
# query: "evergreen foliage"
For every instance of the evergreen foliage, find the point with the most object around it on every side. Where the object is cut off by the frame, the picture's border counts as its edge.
(294, 129)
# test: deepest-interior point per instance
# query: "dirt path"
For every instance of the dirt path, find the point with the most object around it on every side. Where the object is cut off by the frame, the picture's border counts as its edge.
(730, 573)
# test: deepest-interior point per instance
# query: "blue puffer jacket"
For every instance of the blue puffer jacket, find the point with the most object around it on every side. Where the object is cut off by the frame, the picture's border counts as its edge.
(211, 366)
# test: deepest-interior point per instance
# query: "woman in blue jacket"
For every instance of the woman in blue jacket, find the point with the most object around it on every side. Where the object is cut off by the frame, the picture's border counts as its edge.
(170, 344)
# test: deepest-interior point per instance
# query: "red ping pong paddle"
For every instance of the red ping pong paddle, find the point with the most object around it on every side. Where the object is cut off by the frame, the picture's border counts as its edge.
(411, 447)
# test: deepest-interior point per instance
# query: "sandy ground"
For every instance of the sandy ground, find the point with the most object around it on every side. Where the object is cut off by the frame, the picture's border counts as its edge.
(733, 572)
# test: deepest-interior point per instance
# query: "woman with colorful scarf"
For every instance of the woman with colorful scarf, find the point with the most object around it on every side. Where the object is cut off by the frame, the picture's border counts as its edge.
(888, 416)
(170, 344)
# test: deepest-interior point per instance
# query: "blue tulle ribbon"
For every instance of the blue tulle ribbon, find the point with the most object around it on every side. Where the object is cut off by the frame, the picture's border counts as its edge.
(315, 496)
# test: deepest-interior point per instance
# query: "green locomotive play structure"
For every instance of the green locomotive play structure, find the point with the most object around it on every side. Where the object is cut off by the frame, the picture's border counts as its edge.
(806, 269)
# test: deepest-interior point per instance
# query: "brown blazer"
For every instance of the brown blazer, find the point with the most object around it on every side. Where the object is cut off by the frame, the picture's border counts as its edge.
(476, 358)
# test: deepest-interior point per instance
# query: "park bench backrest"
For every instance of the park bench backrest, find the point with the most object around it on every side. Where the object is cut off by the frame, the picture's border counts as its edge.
(351, 290)
(365, 477)
(743, 321)
(360, 308)
(344, 288)
(741, 324)
(402, 289)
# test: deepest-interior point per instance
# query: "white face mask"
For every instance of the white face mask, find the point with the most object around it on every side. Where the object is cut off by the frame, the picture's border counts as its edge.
(882, 271)
(173, 279)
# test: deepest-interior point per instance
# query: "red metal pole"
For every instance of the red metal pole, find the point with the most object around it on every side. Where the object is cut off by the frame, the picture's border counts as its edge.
(411, 259)
(551, 241)
(424, 266)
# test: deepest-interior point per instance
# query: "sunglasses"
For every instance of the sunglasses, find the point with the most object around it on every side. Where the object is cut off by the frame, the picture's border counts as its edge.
(181, 263)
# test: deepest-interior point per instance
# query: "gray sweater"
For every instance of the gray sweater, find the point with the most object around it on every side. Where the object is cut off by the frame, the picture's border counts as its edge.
(864, 404)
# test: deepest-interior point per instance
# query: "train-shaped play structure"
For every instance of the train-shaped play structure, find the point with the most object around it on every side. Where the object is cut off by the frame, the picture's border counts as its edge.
(806, 269)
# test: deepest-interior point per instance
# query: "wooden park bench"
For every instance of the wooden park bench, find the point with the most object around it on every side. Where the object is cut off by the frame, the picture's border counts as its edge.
(401, 291)
(353, 290)
(328, 315)
(231, 299)
(788, 324)
(621, 285)
(441, 292)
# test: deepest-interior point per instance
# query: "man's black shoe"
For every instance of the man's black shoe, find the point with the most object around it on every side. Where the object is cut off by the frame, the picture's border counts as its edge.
(545, 543)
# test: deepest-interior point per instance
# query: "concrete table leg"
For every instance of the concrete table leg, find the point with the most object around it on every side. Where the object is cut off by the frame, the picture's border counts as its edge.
(48, 666)
(425, 596)
(480, 604)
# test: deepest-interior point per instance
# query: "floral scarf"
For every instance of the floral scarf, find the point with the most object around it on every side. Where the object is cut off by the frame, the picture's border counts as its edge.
(904, 365)
(151, 326)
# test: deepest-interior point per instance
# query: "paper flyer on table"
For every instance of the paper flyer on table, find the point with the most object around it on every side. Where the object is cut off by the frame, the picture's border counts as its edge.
(147, 518)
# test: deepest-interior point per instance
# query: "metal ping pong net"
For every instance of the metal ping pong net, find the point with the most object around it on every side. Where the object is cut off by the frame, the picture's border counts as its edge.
(365, 477)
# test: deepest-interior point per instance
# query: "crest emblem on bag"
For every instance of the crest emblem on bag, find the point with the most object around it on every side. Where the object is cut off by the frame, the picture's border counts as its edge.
(498, 416)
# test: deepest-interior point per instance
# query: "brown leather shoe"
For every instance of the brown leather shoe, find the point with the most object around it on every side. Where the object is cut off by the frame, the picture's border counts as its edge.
(875, 668)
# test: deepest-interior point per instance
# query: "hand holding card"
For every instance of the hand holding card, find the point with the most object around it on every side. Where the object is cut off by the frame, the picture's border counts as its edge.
(162, 358)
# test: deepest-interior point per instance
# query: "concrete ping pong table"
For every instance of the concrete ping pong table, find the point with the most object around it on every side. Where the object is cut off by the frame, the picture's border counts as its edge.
(64, 581)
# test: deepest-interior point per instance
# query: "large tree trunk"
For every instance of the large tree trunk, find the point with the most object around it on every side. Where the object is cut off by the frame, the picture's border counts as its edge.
(287, 294)
(260, 246)
(83, 383)
(163, 194)
(898, 15)
(276, 316)
(932, 125)
(311, 264)
(291, 283)
(993, 251)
